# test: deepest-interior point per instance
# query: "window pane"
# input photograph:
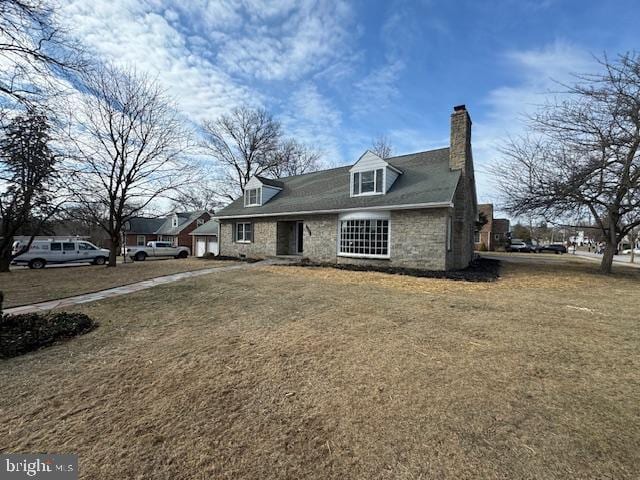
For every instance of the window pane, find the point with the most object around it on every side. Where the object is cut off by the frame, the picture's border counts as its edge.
(367, 182)
(239, 230)
(68, 247)
(356, 183)
(247, 232)
(379, 177)
(364, 237)
(56, 246)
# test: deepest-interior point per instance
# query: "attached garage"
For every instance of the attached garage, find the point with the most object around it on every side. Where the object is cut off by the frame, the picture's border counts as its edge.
(205, 239)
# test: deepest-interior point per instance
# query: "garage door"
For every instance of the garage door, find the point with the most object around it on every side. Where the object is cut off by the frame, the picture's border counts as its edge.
(201, 246)
(213, 246)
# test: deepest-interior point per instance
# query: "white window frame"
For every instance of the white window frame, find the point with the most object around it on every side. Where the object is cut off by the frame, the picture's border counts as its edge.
(247, 197)
(174, 221)
(244, 232)
(144, 240)
(375, 182)
(363, 216)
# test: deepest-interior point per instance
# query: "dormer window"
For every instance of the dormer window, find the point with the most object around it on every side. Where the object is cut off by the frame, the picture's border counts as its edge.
(252, 197)
(174, 221)
(368, 182)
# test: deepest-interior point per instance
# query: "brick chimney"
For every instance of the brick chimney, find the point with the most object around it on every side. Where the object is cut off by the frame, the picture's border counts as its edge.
(460, 148)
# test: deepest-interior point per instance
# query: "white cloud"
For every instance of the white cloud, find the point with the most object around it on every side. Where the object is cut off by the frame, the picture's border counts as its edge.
(537, 73)
(314, 120)
(378, 89)
(208, 54)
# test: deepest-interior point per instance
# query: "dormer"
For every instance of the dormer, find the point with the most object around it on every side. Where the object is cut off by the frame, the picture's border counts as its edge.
(371, 175)
(260, 190)
(174, 220)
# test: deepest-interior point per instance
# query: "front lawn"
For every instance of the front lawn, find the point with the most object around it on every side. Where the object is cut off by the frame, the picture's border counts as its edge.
(24, 286)
(287, 372)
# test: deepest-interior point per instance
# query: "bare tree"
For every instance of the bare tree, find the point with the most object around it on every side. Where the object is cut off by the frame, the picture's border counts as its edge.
(27, 174)
(293, 158)
(34, 51)
(201, 195)
(583, 155)
(243, 143)
(129, 146)
(381, 146)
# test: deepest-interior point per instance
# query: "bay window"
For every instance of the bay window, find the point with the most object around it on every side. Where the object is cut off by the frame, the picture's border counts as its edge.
(364, 238)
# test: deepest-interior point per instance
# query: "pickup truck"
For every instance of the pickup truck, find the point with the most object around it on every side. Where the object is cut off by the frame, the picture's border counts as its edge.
(157, 249)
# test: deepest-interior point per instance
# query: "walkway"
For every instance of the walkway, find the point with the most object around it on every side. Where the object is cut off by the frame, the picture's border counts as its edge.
(131, 288)
(617, 259)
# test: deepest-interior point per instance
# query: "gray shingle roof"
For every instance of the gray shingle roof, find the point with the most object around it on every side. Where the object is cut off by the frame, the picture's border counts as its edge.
(208, 228)
(269, 181)
(426, 178)
(184, 219)
(144, 225)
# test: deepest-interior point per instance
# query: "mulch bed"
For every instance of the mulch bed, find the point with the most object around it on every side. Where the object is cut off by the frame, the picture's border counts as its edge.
(26, 332)
(480, 270)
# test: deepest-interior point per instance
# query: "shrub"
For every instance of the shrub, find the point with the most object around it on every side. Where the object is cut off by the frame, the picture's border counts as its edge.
(209, 256)
(483, 247)
(24, 333)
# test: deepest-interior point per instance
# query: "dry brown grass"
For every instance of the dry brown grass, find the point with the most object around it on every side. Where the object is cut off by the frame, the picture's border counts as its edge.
(313, 373)
(24, 286)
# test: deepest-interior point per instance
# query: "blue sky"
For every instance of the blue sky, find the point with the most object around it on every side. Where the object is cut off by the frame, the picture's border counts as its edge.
(339, 73)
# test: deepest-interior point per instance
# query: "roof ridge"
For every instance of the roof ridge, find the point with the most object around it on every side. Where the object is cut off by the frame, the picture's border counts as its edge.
(350, 165)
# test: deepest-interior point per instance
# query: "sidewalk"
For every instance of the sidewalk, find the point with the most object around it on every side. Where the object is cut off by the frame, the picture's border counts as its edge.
(126, 289)
(618, 259)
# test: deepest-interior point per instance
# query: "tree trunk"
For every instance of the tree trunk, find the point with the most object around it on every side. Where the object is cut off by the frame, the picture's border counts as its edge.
(113, 251)
(5, 262)
(607, 258)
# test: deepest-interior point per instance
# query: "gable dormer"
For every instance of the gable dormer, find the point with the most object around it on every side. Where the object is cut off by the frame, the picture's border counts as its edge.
(174, 220)
(371, 175)
(260, 190)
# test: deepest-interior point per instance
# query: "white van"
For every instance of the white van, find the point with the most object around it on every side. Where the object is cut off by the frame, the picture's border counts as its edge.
(43, 252)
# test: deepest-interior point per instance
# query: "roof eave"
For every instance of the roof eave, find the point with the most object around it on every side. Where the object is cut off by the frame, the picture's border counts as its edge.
(408, 206)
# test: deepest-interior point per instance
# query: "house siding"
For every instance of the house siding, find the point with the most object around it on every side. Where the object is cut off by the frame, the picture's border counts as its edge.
(417, 239)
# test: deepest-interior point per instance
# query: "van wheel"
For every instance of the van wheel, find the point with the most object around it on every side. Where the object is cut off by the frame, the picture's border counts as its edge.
(37, 263)
(183, 254)
(140, 257)
(99, 261)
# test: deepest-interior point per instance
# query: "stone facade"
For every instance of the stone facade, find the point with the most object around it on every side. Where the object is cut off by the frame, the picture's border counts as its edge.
(417, 239)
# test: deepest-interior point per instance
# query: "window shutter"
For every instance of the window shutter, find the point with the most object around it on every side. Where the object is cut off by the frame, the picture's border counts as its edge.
(356, 183)
(234, 232)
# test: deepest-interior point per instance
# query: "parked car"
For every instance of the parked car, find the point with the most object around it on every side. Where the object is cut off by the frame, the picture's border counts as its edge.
(553, 248)
(157, 249)
(43, 252)
(517, 245)
(628, 251)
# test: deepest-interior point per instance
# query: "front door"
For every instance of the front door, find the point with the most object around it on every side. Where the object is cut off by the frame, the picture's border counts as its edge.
(299, 237)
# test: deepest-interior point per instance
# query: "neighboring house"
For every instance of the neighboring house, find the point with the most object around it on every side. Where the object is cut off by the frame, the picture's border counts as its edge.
(175, 228)
(205, 239)
(494, 233)
(416, 210)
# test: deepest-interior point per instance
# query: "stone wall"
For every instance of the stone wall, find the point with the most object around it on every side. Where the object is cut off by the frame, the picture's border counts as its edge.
(264, 239)
(417, 239)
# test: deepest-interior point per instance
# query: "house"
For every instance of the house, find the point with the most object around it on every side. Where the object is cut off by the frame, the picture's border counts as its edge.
(175, 228)
(494, 233)
(205, 239)
(416, 210)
